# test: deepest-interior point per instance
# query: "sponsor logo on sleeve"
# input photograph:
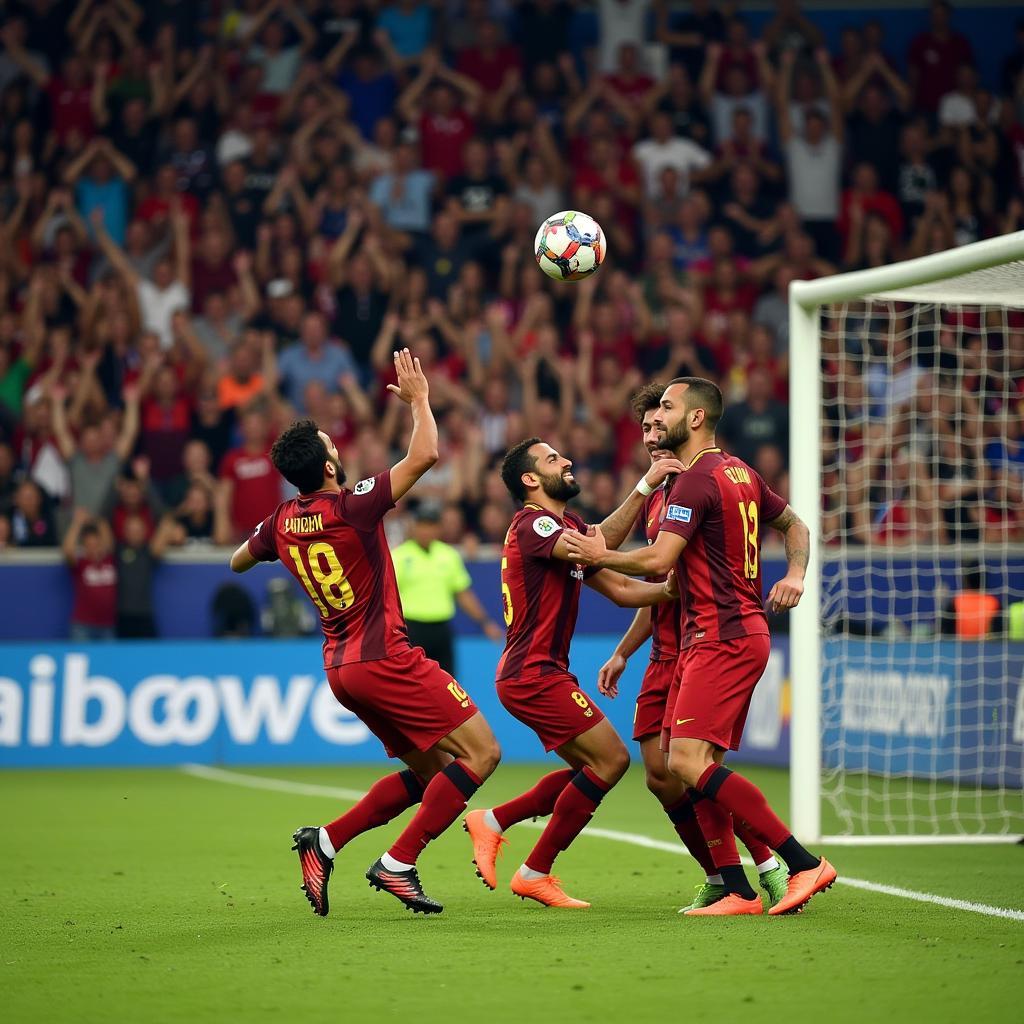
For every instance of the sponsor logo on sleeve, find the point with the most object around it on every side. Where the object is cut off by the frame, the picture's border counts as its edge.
(679, 513)
(257, 530)
(545, 526)
(365, 486)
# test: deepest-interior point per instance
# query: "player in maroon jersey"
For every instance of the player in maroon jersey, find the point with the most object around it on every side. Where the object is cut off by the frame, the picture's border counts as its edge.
(661, 623)
(332, 540)
(711, 535)
(540, 587)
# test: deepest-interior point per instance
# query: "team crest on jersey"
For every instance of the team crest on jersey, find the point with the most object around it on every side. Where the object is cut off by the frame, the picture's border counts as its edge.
(679, 513)
(365, 486)
(545, 526)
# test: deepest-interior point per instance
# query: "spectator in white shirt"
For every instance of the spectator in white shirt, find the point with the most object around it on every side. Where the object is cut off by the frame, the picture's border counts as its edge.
(663, 149)
(814, 157)
(170, 290)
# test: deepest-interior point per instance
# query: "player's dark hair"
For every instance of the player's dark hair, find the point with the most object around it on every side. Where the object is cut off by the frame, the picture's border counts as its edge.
(646, 399)
(518, 461)
(702, 393)
(299, 455)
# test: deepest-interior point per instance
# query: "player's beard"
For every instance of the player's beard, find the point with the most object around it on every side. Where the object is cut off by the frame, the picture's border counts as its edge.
(339, 473)
(558, 488)
(675, 437)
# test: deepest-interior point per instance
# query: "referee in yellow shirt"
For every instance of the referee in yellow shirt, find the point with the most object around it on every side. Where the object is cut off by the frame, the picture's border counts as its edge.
(432, 579)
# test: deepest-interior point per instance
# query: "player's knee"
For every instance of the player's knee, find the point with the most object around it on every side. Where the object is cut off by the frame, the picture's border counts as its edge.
(660, 783)
(616, 764)
(684, 766)
(487, 757)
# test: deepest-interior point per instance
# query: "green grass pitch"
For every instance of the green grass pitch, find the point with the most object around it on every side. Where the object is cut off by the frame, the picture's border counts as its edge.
(151, 895)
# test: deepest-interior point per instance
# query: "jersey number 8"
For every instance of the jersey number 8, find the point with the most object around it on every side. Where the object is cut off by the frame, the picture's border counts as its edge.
(331, 587)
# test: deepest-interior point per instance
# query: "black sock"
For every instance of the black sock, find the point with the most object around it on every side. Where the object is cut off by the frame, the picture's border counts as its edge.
(735, 880)
(796, 857)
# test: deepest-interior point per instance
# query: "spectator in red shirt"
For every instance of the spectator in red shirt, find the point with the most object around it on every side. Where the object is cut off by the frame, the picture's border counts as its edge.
(88, 550)
(935, 57)
(212, 267)
(628, 78)
(166, 423)
(250, 488)
(489, 60)
(444, 125)
(865, 194)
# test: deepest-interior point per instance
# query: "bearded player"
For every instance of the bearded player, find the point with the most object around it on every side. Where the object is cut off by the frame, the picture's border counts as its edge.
(332, 540)
(661, 623)
(711, 536)
(540, 585)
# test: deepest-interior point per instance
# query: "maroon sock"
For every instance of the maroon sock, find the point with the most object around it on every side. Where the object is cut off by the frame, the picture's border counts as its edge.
(683, 816)
(444, 799)
(744, 801)
(716, 825)
(386, 799)
(574, 807)
(758, 849)
(538, 802)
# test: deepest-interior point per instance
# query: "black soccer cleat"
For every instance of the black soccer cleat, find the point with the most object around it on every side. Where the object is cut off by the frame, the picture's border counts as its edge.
(316, 867)
(404, 886)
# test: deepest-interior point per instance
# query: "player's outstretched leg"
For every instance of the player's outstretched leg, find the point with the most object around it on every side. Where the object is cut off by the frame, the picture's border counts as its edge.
(476, 754)
(485, 828)
(602, 760)
(691, 760)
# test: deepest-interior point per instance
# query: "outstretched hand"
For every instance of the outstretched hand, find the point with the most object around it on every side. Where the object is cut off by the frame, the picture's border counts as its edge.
(608, 676)
(586, 548)
(412, 382)
(662, 466)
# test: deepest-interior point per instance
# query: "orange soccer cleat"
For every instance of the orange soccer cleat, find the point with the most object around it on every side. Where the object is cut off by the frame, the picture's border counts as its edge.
(487, 846)
(731, 905)
(802, 886)
(547, 891)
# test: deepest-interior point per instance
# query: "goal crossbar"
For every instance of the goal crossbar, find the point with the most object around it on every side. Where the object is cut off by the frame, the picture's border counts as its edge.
(955, 278)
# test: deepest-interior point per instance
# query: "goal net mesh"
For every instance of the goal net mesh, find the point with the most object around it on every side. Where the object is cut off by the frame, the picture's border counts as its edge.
(922, 559)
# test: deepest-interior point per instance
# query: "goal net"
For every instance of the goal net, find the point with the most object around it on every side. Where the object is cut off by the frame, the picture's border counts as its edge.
(907, 653)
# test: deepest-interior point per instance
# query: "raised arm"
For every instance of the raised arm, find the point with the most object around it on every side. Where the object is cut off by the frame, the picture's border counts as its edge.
(788, 591)
(20, 56)
(412, 389)
(709, 73)
(182, 245)
(113, 252)
(783, 90)
(617, 525)
(832, 93)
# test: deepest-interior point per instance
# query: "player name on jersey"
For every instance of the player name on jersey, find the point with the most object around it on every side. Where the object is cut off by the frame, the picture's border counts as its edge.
(304, 524)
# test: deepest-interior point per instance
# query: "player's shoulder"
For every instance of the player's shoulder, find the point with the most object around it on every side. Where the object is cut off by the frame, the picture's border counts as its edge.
(539, 520)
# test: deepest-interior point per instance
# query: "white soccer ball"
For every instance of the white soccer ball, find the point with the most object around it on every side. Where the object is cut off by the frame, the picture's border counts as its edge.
(570, 246)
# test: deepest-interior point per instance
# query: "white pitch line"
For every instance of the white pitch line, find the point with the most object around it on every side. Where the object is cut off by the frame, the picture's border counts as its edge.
(632, 838)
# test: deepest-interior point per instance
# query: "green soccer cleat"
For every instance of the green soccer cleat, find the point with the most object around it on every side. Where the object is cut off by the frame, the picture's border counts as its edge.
(774, 883)
(706, 894)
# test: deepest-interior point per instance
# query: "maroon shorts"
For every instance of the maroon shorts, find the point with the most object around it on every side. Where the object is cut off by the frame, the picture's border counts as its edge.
(407, 701)
(716, 684)
(650, 702)
(553, 706)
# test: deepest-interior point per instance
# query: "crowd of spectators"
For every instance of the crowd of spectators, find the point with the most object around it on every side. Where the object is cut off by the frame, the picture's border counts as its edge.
(218, 216)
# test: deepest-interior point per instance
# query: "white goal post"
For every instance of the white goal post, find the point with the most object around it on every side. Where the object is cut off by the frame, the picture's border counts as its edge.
(872, 783)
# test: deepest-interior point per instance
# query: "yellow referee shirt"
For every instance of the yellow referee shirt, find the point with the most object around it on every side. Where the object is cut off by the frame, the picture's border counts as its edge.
(429, 580)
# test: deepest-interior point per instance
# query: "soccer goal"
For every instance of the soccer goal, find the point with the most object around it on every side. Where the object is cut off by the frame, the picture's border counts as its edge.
(907, 461)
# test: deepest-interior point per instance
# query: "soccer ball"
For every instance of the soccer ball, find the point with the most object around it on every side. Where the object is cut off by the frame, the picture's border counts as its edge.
(570, 246)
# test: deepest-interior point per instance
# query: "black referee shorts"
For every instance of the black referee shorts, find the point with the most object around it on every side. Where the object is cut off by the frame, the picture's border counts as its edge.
(436, 640)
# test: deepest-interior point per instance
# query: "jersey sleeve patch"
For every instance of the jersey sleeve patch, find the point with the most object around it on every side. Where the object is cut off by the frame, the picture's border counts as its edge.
(365, 486)
(679, 513)
(545, 526)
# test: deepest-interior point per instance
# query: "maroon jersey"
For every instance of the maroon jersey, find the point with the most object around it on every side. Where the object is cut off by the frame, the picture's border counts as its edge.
(334, 545)
(719, 505)
(665, 624)
(540, 594)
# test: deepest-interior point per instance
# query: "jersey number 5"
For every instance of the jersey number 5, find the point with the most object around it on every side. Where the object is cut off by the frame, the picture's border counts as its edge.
(331, 588)
(506, 594)
(748, 515)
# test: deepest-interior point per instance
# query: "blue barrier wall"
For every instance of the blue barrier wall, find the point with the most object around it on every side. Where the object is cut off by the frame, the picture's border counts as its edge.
(35, 600)
(265, 701)
(934, 709)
